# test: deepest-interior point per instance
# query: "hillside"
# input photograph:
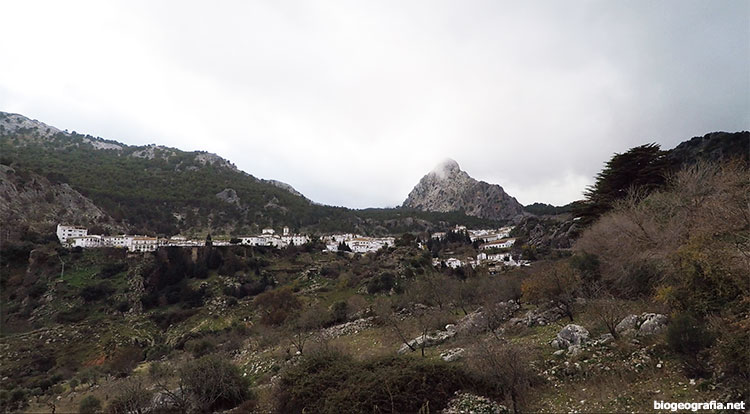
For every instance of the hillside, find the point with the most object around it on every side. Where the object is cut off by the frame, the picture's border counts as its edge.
(159, 190)
(448, 188)
(649, 303)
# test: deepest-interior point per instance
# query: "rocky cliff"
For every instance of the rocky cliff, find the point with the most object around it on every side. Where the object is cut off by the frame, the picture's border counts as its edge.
(31, 206)
(448, 188)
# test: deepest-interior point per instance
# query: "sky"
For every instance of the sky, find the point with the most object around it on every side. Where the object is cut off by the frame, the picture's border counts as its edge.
(352, 102)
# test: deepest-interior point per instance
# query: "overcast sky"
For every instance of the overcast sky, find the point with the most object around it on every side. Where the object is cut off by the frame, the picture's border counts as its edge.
(352, 102)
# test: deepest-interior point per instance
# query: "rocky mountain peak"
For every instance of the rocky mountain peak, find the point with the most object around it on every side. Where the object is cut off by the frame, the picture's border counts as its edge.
(448, 188)
(446, 169)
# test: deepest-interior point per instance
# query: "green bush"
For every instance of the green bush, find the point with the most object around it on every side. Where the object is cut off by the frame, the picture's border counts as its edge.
(89, 405)
(689, 338)
(339, 312)
(382, 283)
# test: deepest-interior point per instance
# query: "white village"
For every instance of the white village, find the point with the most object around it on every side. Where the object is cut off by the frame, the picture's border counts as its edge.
(494, 243)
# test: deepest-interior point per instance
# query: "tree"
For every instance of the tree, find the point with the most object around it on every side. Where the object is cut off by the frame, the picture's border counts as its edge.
(506, 365)
(643, 168)
(343, 247)
(383, 308)
(556, 282)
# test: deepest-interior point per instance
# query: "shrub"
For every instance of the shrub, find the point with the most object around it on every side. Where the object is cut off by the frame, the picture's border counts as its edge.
(199, 347)
(339, 312)
(89, 405)
(730, 356)
(75, 314)
(124, 360)
(276, 306)
(213, 383)
(96, 292)
(329, 382)
(134, 397)
(556, 282)
(689, 338)
(507, 366)
(381, 283)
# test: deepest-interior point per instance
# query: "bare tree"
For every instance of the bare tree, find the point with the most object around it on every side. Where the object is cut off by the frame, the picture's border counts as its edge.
(506, 365)
(384, 311)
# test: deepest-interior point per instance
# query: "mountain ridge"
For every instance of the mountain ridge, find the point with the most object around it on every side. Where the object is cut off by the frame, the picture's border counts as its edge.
(155, 189)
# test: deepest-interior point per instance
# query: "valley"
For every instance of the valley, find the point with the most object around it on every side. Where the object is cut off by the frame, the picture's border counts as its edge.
(250, 298)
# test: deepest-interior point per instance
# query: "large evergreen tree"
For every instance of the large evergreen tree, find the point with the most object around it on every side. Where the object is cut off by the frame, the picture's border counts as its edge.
(642, 168)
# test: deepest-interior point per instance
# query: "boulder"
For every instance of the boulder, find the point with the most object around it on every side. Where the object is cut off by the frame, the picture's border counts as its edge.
(570, 335)
(653, 323)
(627, 325)
(472, 323)
(642, 325)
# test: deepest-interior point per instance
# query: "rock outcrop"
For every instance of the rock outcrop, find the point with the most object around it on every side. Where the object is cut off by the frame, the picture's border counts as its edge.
(569, 336)
(428, 340)
(447, 188)
(642, 325)
(31, 206)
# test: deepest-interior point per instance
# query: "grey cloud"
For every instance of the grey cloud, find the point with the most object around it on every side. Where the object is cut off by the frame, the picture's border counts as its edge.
(352, 102)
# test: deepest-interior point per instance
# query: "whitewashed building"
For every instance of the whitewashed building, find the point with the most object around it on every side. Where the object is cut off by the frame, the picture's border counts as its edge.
(499, 244)
(121, 241)
(85, 241)
(144, 244)
(66, 232)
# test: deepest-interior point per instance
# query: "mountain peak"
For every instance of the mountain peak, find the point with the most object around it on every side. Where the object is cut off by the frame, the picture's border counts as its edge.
(447, 188)
(446, 168)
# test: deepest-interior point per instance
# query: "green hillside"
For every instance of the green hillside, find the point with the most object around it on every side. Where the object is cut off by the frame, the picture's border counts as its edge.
(159, 190)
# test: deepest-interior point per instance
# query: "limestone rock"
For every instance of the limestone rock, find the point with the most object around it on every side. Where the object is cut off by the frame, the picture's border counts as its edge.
(427, 340)
(570, 335)
(448, 188)
(452, 354)
(642, 325)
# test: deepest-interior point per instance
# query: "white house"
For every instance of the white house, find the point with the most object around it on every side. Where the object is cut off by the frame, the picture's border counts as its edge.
(66, 232)
(85, 241)
(122, 241)
(144, 244)
(499, 244)
(453, 263)
(295, 239)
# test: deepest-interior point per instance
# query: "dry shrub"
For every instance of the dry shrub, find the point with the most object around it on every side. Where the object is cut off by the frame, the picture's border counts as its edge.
(689, 244)
(505, 365)
(554, 282)
(330, 382)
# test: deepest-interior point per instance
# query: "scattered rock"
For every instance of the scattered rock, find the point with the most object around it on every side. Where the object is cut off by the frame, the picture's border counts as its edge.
(427, 341)
(452, 354)
(574, 350)
(605, 339)
(347, 328)
(465, 402)
(539, 317)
